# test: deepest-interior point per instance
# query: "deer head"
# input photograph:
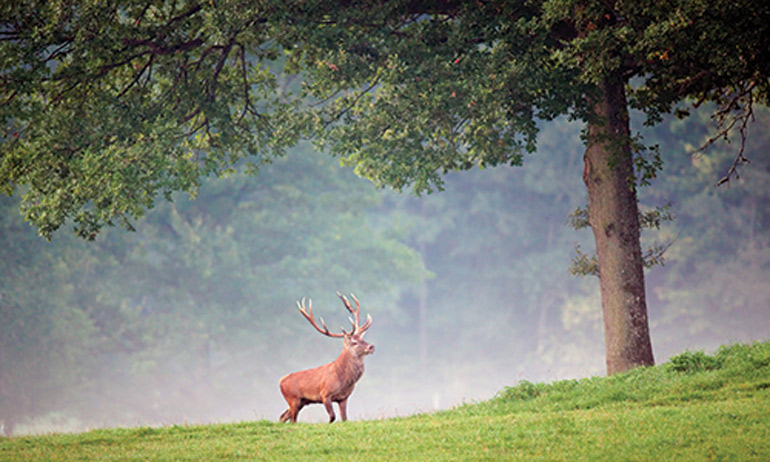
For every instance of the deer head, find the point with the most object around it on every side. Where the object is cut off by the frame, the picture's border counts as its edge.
(353, 340)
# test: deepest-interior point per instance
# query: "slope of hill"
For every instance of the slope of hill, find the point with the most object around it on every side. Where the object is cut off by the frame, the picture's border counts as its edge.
(695, 407)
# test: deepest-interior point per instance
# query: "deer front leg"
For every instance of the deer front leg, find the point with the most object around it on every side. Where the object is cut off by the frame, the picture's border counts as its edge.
(329, 409)
(344, 409)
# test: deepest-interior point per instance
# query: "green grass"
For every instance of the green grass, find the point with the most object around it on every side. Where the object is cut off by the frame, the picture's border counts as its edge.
(695, 407)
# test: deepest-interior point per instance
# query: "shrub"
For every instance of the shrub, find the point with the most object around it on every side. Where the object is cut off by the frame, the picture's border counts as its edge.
(695, 361)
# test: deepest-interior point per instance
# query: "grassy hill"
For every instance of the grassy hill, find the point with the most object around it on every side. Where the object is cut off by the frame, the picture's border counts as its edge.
(695, 407)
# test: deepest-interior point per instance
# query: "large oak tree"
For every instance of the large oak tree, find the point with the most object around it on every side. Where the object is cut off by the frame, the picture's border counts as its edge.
(105, 105)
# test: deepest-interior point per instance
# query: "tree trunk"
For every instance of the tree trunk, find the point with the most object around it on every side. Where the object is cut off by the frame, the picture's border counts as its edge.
(613, 215)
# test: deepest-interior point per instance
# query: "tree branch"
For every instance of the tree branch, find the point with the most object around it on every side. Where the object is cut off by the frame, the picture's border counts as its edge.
(737, 110)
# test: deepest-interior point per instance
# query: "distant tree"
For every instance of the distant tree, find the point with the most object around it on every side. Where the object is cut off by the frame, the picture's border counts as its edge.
(107, 105)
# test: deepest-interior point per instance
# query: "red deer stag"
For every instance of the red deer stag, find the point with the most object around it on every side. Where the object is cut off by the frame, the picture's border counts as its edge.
(331, 382)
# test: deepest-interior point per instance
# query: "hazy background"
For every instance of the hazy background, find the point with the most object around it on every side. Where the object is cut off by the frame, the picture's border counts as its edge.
(192, 318)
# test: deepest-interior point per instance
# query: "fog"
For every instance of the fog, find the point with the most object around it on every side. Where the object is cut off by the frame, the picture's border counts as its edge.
(192, 318)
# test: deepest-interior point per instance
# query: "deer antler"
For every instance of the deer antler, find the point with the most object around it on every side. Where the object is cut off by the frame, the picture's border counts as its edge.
(309, 316)
(357, 328)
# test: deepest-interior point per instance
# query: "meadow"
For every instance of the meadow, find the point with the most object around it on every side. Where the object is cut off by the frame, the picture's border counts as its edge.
(695, 407)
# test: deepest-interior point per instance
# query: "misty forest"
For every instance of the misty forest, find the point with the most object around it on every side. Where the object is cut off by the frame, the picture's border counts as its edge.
(484, 278)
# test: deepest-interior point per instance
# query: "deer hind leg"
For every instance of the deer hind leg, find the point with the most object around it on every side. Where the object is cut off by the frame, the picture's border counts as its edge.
(293, 411)
(329, 409)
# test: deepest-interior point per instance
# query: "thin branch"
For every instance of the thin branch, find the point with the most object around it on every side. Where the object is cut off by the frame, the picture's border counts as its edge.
(144, 12)
(10, 97)
(740, 159)
(726, 119)
(136, 77)
(195, 129)
(224, 54)
(350, 106)
(332, 96)
(382, 132)
(244, 75)
(184, 15)
(161, 49)
(654, 255)
(61, 94)
(191, 115)
(737, 110)
(204, 54)
(55, 54)
(108, 67)
(248, 107)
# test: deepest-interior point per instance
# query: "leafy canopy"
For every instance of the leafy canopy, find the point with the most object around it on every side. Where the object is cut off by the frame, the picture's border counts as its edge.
(105, 105)
(108, 104)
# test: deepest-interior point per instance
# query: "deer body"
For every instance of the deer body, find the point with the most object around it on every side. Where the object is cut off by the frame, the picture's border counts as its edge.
(332, 382)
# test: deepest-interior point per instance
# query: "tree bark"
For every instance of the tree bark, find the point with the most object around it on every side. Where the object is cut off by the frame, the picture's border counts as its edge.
(613, 215)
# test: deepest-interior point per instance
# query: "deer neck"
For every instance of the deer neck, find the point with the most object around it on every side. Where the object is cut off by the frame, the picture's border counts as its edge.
(349, 364)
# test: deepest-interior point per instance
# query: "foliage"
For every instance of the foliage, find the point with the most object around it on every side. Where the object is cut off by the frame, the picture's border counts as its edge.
(106, 106)
(413, 92)
(648, 413)
(588, 265)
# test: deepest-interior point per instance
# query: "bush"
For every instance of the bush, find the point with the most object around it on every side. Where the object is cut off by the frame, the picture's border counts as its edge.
(695, 361)
(524, 391)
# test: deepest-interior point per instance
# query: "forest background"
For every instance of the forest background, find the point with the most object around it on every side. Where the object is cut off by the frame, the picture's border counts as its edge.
(192, 318)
